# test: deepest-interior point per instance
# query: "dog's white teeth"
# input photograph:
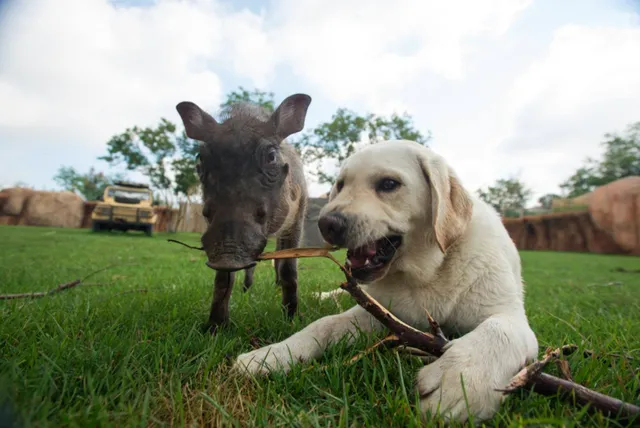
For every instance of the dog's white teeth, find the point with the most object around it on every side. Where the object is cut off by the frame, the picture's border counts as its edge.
(367, 263)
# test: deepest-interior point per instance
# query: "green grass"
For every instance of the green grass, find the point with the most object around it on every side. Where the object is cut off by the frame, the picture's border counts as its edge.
(129, 350)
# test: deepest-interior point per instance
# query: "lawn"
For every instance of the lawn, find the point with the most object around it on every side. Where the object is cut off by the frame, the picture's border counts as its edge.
(127, 348)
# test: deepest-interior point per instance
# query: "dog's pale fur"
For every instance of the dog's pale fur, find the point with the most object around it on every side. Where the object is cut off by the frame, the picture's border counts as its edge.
(456, 261)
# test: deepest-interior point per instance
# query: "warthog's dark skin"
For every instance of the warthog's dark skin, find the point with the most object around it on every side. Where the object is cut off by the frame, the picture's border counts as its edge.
(253, 187)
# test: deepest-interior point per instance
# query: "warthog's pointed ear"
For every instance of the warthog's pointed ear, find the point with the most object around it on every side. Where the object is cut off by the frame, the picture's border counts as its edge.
(290, 115)
(451, 204)
(197, 122)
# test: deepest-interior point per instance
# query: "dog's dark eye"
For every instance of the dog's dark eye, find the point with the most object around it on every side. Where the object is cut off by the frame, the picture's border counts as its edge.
(339, 185)
(387, 185)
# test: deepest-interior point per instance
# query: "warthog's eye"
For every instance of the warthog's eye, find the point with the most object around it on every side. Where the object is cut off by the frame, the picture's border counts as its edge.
(271, 156)
(387, 185)
(339, 185)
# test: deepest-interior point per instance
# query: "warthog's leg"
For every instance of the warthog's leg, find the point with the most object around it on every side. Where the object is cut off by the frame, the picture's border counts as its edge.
(276, 264)
(287, 271)
(248, 278)
(222, 287)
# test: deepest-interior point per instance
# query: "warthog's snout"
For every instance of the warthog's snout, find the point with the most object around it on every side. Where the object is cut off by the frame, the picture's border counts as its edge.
(228, 264)
(232, 261)
(233, 246)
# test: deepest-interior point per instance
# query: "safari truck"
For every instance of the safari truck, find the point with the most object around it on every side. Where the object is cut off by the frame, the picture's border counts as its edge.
(125, 206)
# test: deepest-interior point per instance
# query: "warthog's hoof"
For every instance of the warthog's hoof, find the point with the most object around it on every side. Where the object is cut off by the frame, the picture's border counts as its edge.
(211, 327)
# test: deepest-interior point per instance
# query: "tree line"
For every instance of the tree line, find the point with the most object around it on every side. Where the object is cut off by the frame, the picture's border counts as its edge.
(167, 157)
(620, 158)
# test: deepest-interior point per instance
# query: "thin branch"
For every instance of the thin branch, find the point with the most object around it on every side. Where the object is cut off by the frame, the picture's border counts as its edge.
(186, 245)
(435, 344)
(435, 327)
(548, 385)
(106, 268)
(96, 284)
(296, 253)
(390, 341)
(563, 366)
(39, 294)
(61, 287)
(524, 376)
(141, 290)
(431, 343)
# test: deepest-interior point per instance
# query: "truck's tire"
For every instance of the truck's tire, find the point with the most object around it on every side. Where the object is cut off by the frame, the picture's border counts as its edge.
(96, 227)
(148, 230)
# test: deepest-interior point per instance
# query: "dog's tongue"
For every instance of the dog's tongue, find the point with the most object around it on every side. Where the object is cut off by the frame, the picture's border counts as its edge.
(359, 256)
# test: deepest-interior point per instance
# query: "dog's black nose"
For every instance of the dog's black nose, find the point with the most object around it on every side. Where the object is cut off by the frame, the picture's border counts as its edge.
(333, 228)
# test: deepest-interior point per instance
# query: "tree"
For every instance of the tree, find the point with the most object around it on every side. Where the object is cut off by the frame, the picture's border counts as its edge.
(22, 184)
(264, 99)
(621, 159)
(90, 185)
(507, 194)
(146, 150)
(546, 201)
(582, 181)
(338, 138)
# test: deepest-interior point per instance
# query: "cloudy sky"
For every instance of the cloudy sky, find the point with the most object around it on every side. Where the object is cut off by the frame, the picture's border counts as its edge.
(521, 88)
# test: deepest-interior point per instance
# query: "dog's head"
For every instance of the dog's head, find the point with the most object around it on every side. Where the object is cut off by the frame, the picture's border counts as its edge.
(391, 199)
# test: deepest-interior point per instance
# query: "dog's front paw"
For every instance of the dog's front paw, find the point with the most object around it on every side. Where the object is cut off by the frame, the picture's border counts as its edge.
(264, 360)
(460, 386)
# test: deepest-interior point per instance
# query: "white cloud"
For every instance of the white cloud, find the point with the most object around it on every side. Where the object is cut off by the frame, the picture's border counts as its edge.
(558, 111)
(355, 49)
(81, 70)
(540, 124)
(497, 100)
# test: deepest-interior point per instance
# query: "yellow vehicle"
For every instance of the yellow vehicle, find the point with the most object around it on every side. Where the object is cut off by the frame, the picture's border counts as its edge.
(125, 206)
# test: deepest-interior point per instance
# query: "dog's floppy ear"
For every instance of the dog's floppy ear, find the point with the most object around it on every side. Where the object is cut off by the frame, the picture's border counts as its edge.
(451, 205)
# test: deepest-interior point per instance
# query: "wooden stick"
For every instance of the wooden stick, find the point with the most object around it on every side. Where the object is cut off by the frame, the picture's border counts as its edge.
(37, 294)
(530, 377)
(525, 375)
(186, 245)
(435, 343)
(407, 335)
(390, 341)
(548, 385)
(61, 287)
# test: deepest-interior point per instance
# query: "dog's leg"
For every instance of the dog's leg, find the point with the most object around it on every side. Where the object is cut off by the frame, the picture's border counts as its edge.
(481, 361)
(322, 295)
(222, 287)
(309, 343)
(248, 278)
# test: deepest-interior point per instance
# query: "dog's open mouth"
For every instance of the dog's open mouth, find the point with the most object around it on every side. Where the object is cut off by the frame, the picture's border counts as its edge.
(368, 261)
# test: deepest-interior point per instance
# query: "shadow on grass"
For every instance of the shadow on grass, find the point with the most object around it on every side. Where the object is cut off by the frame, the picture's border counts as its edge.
(120, 233)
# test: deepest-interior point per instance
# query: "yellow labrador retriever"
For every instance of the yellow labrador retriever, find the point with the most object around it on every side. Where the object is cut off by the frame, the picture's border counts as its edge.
(418, 240)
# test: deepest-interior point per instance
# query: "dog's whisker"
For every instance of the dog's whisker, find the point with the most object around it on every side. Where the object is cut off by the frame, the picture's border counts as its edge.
(390, 243)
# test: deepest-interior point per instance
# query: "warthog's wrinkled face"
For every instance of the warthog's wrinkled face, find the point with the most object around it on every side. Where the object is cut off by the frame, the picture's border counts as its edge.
(243, 175)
